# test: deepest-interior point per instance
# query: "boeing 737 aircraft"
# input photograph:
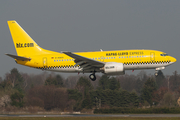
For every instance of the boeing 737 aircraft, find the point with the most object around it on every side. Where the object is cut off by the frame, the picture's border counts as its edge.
(108, 62)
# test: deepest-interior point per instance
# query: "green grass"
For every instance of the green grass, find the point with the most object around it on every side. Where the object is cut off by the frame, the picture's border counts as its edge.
(84, 118)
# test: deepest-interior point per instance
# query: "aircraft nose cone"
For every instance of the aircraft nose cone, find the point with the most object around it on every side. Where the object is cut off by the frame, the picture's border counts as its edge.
(173, 59)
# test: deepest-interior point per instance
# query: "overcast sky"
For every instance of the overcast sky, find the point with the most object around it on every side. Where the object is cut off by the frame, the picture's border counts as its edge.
(90, 25)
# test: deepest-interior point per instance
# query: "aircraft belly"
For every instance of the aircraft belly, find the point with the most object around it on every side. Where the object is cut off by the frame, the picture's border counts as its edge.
(65, 69)
(144, 66)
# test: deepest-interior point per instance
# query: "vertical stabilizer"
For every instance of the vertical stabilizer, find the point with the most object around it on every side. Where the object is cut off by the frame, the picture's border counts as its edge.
(23, 43)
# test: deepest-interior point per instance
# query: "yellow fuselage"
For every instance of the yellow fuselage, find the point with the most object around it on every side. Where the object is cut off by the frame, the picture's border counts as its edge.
(131, 59)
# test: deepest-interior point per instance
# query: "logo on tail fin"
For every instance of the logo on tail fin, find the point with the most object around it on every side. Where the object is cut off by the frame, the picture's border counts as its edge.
(23, 45)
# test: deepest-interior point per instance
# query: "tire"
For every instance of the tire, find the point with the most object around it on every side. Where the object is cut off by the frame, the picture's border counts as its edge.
(156, 74)
(92, 77)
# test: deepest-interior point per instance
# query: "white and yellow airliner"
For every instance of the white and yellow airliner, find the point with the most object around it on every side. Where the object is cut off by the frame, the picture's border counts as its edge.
(108, 62)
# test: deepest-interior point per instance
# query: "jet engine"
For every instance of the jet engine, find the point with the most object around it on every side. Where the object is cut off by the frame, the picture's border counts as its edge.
(113, 68)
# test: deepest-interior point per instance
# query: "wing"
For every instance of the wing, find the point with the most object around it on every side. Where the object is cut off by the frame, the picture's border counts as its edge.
(85, 63)
(18, 57)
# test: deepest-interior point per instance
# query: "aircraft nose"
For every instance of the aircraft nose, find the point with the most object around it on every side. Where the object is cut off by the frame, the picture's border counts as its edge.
(173, 59)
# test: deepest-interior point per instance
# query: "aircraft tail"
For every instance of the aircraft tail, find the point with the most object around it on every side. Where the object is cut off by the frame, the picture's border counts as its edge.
(25, 46)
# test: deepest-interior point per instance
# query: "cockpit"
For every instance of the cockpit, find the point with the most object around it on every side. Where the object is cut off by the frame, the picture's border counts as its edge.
(164, 54)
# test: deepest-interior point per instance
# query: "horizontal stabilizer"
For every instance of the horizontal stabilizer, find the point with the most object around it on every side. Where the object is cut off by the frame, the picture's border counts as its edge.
(18, 57)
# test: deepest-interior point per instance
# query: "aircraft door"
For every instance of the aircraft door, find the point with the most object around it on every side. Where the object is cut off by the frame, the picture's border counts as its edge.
(44, 62)
(152, 56)
(102, 59)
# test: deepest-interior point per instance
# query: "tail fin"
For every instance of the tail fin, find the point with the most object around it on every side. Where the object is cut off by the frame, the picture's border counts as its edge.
(23, 43)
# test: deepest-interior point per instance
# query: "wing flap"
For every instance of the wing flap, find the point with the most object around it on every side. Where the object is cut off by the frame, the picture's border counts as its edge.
(18, 57)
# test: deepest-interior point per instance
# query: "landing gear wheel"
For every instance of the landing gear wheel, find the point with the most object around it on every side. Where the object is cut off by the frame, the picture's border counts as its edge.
(92, 77)
(156, 73)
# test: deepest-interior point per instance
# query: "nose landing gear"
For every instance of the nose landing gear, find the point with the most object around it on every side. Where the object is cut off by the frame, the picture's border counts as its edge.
(158, 70)
(156, 73)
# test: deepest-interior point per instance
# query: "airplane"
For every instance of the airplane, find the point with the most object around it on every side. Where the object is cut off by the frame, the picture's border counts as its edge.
(108, 62)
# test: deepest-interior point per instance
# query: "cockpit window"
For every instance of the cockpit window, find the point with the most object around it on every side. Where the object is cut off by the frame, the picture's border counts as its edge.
(164, 54)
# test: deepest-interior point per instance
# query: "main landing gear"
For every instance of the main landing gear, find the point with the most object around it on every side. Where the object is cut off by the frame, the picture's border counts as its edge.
(92, 76)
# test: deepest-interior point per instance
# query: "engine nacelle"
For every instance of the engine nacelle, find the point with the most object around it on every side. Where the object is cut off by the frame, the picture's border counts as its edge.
(113, 68)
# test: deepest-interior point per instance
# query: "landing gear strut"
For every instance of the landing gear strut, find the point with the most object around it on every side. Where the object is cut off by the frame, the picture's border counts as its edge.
(92, 77)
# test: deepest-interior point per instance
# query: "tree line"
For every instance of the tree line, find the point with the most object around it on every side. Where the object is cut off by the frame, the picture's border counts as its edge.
(77, 93)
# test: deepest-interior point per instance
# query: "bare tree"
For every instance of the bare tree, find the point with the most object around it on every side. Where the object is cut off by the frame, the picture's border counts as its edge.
(5, 101)
(71, 82)
(49, 97)
(169, 100)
